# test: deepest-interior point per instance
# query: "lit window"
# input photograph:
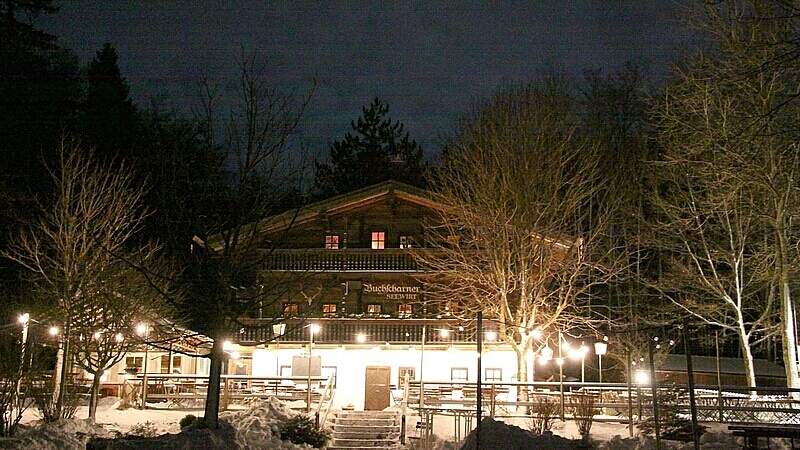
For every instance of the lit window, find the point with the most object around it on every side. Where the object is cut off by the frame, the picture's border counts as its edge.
(406, 241)
(404, 309)
(493, 374)
(374, 308)
(378, 240)
(404, 372)
(332, 241)
(329, 308)
(176, 364)
(459, 374)
(134, 362)
(291, 309)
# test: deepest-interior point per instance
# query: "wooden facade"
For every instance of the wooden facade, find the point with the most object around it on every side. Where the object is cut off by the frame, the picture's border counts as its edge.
(348, 261)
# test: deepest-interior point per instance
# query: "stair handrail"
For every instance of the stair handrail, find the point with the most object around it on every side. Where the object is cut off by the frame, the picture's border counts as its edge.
(327, 397)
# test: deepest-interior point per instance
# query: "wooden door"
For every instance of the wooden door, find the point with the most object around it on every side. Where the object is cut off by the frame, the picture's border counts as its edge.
(376, 395)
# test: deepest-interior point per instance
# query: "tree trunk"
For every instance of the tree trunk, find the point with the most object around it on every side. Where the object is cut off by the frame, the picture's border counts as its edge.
(522, 376)
(57, 373)
(788, 329)
(214, 376)
(66, 371)
(94, 394)
(747, 357)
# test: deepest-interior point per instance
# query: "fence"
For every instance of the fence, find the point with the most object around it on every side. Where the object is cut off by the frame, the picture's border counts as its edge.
(614, 402)
(189, 391)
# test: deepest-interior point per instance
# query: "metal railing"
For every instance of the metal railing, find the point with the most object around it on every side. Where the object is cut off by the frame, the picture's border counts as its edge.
(189, 391)
(615, 402)
(327, 400)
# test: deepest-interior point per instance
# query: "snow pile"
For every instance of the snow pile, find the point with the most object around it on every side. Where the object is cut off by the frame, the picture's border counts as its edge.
(496, 434)
(62, 434)
(259, 426)
(709, 441)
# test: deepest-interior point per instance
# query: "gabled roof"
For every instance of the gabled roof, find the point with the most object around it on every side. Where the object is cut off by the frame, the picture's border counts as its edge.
(343, 203)
(348, 202)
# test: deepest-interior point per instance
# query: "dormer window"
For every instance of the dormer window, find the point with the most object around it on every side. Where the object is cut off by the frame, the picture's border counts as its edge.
(378, 240)
(332, 241)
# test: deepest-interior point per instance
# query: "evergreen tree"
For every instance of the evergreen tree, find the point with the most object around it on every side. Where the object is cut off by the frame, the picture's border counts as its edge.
(377, 149)
(109, 119)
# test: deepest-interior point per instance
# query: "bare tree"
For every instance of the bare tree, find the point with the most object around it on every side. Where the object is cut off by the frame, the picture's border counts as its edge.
(735, 109)
(263, 170)
(120, 298)
(95, 212)
(716, 269)
(518, 235)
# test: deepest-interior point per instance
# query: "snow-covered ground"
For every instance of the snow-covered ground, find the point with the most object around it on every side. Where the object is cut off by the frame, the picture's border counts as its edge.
(257, 427)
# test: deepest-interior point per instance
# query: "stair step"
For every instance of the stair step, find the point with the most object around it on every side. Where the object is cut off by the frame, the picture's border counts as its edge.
(368, 414)
(365, 422)
(366, 435)
(364, 442)
(393, 447)
(388, 427)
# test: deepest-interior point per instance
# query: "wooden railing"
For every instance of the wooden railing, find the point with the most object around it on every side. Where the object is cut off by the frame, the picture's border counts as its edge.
(344, 260)
(377, 331)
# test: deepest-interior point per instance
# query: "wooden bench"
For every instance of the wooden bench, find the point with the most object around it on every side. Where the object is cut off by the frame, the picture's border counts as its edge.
(752, 433)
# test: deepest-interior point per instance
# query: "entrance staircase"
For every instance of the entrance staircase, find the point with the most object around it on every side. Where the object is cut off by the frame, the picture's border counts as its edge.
(365, 430)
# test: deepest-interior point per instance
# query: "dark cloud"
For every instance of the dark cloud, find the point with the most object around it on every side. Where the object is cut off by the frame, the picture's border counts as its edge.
(428, 60)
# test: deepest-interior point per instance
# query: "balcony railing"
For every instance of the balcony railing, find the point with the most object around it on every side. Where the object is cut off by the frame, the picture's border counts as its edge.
(376, 331)
(344, 260)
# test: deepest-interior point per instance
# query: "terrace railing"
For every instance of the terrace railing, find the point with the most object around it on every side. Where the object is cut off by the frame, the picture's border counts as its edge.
(342, 260)
(189, 391)
(615, 402)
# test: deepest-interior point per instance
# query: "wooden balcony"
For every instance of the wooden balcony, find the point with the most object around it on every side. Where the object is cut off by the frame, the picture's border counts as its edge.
(377, 331)
(343, 260)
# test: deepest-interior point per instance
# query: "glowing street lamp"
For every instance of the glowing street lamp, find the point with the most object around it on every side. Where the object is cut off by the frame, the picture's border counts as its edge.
(53, 331)
(537, 333)
(444, 333)
(142, 329)
(119, 338)
(23, 319)
(361, 338)
(491, 336)
(312, 330)
(600, 349)
(642, 377)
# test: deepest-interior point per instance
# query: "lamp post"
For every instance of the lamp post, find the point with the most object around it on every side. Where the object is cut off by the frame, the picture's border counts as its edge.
(142, 330)
(312, 329)
(23, 319)
(278, 331)
(600, 349)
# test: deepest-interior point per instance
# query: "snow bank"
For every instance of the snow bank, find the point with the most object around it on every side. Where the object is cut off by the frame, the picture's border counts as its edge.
(499, 435)
(709, 441)
(63, 434)
(257, 427)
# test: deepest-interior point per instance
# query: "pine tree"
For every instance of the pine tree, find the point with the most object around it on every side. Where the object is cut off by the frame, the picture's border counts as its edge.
(377, 149)
(109, 119)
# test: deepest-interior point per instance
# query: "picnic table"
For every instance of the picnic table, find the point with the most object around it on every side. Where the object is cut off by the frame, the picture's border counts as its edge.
(752, 434)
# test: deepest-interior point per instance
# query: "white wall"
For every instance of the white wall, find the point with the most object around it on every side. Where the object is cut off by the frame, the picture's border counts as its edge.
(351, 364)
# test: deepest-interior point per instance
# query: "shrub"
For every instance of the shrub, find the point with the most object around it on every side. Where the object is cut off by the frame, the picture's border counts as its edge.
(187, 420)
(584, 412)
(143, 429)
(543, 412)
(301, 430)
(673, 421)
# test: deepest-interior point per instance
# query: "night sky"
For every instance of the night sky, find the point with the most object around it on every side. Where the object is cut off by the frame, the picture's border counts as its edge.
(428, 60)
